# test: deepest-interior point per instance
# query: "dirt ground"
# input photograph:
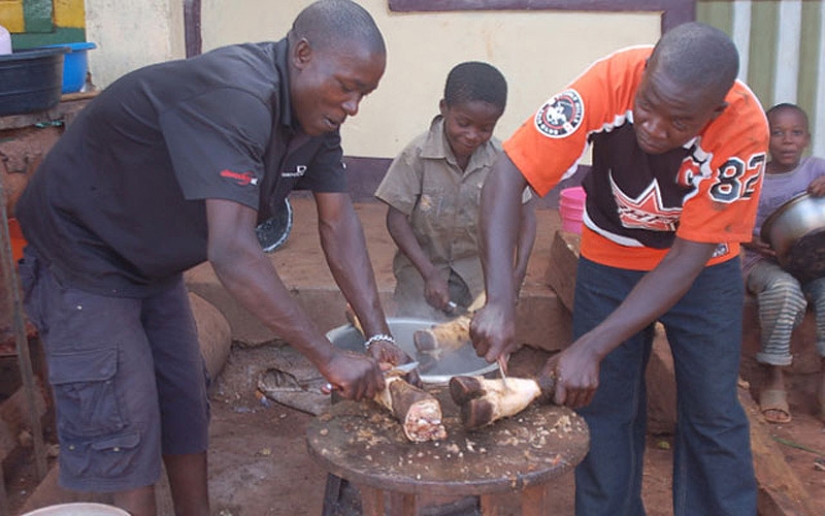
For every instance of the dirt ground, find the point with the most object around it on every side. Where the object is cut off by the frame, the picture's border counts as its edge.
(259, 464)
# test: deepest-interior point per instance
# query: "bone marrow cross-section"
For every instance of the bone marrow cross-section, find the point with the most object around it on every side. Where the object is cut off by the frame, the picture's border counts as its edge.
(418, 411)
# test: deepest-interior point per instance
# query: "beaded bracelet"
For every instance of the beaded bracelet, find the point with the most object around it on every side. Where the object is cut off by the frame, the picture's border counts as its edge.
(376, 337)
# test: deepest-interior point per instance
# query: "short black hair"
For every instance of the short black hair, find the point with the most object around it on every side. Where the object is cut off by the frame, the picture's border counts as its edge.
(326, 22)
(698, 55)
(787, 106)
(475, 80)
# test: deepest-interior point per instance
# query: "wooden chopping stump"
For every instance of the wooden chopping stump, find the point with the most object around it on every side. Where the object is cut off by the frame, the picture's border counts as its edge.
(364, 444)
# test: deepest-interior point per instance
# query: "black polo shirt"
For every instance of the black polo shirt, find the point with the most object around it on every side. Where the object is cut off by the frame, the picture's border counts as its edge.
(117, 207)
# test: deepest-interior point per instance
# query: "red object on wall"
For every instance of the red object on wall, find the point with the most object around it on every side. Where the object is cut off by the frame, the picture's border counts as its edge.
(17, 240)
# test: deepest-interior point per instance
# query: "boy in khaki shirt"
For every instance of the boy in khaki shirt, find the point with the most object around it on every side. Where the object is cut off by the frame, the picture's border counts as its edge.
(433, 189)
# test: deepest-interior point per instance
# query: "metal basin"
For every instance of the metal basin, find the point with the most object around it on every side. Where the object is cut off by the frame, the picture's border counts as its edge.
(78, 509)
(796, 231)
(462, 362)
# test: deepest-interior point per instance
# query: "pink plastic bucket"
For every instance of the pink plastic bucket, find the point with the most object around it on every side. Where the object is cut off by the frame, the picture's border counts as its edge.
(571, 207)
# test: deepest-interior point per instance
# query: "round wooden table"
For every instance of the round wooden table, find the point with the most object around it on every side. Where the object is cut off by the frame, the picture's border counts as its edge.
(364, 444)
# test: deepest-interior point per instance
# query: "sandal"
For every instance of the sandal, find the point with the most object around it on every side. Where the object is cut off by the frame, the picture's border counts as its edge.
(773, 404)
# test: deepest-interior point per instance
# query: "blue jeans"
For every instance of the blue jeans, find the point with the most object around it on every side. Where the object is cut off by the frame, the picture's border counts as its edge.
(713, 468)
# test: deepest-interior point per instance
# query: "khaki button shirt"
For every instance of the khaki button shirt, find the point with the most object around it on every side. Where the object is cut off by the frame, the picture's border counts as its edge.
(442, 202)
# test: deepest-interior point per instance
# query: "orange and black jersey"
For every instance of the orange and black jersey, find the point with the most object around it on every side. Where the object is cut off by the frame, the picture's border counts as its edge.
(637, 203)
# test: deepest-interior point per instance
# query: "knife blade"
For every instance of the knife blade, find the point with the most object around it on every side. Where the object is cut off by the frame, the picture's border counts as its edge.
(502, 365)
(401, 370)
(454, 309)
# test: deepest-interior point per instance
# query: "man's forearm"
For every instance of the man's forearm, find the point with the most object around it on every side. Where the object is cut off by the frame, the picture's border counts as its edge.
(258, 288)
(499, 221)
(346, 252)
(526, 239)
(404, 237)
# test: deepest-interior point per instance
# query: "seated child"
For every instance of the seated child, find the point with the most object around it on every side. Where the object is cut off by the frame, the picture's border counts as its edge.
(780, 295)
(433, 189)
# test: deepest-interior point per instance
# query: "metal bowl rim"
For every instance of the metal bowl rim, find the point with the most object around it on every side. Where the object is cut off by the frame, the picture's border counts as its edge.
(429, 379)
(767, 225)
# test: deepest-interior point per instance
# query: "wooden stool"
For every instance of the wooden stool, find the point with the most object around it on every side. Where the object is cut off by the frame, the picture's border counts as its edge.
(364, 444)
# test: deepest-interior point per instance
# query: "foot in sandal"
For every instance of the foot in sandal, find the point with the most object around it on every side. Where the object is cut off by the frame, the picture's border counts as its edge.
(773, 398)
(774, 406)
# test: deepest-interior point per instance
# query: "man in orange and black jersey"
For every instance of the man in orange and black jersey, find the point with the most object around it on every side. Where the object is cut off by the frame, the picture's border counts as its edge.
(679, 147)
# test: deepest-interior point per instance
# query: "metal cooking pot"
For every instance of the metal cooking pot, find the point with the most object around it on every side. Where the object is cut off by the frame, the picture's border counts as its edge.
(796, 231)
(462, 362)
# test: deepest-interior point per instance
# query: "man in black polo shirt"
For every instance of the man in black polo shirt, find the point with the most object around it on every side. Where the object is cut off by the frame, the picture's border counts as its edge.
(171, 165)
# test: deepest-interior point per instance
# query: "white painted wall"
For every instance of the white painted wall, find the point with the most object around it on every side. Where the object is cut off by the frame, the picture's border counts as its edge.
(130, 35)
(538, 52)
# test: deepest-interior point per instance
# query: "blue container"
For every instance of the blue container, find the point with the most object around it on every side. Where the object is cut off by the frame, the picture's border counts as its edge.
(75, 65)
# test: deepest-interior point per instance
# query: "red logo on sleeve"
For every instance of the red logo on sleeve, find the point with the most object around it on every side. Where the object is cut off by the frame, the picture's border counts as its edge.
(242, 178)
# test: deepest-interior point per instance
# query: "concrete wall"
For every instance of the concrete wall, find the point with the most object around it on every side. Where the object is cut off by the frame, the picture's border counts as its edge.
(538, 51)
(130, 35)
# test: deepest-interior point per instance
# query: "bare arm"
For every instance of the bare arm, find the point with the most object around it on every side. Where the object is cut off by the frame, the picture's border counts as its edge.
(436, 291)
(493, 327)
(817, 187)
(577, 367)
(526, 239)
(758, 245)
(345, 248)
(247, 273)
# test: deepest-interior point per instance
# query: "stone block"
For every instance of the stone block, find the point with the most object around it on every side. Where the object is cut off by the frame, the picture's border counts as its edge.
(561, 271)
(214, 334)
(542, 321)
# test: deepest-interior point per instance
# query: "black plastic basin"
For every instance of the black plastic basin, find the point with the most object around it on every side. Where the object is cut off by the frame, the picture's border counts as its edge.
(31, 80)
